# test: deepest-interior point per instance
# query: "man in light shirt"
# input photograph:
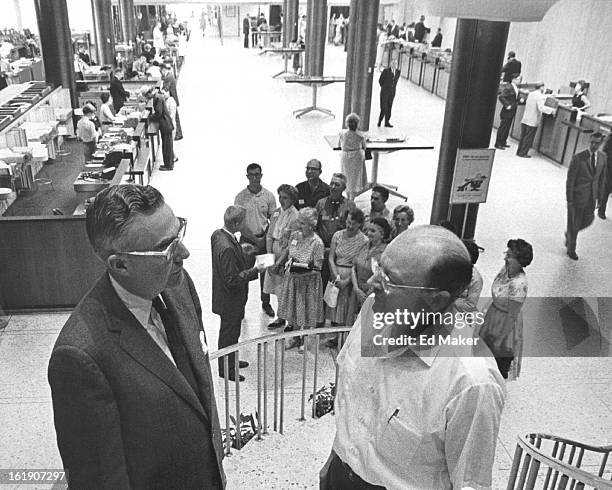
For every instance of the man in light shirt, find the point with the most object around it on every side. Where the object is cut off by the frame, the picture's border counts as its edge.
(87, 132)
(133, 396)
(535, 105)
(419, 416)
(259, 203)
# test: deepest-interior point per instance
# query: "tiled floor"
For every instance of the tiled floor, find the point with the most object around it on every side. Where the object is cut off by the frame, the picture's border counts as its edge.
(234, 113)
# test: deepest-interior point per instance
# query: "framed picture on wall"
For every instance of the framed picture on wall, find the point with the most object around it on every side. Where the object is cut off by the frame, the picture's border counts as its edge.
(230, 10)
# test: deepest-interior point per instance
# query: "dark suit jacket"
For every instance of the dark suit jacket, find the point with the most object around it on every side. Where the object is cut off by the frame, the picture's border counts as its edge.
(230, 280)
(388, 81)
(582, 186)
(170, 86)
(118, 93)
(508, 98)
(160, 113)
(511, 69)
(419, 32)
(125, 417)
(393, 31)
(246, 25)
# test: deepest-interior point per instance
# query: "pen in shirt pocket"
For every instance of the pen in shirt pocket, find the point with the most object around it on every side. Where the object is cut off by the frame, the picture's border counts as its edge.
(394, 414)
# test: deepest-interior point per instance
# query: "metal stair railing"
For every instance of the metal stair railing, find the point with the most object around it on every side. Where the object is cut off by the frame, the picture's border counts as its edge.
(312, 336)
(554, 459)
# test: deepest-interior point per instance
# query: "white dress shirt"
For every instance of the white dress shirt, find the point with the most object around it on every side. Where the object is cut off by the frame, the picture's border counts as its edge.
(147, 316)
(421, 418)
(534, 107)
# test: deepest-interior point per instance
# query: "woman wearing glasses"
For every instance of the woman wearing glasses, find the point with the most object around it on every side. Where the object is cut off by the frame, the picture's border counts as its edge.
(301, 299)
(502, 329)
(377, 231)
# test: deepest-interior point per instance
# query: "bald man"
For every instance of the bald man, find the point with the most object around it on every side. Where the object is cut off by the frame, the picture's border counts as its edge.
(425, 412)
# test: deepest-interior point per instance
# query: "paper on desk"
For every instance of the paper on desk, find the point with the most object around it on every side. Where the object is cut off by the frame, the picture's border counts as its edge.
(264, 260)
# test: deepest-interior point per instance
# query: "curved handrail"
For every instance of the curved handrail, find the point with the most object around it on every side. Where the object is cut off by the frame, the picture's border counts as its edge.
(278, 336)
(526, 444)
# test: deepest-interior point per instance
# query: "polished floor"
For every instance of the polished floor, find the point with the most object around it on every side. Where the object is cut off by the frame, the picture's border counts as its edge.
(233, 113)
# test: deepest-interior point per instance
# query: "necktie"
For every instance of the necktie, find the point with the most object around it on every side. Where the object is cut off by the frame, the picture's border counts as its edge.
(593, 163)
(176, 345)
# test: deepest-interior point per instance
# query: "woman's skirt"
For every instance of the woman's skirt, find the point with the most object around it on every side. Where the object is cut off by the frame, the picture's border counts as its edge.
(339, 313)
(353, 166)
(273, 282)
(301, 299)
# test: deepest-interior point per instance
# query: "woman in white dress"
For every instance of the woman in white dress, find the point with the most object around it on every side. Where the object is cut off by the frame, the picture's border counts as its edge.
(352, 157)
(282, 224)
(502, 329)
(158, 38)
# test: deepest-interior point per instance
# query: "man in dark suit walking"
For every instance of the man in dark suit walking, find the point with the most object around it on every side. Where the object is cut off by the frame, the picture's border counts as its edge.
(388, 82)
(161, 115)
(230, 284)
(118, 93)
(170, 86)
(508, 99)
(246, 29)
(133, 396)
(585, 177)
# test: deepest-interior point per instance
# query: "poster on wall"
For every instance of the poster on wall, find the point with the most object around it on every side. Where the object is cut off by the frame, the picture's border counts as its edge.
(472, 175)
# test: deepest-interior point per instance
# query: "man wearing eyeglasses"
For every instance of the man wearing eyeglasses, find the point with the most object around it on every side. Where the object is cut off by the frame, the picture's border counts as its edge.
(130, 378)
(313, 188)
(425, 414)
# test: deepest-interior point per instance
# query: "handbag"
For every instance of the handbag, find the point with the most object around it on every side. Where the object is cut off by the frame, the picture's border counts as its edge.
(368, 154)
(331, 295)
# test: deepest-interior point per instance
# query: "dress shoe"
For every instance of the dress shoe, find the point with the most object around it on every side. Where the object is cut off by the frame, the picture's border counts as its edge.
(572, 255)
(288, 328)
(499, 147)
(232, 376)
(601, 215)
(243, 364)
(523, 156)
(507, 146)
(175, 159)
(164, 168)
(388, 125)
(378, 124)
(178, 138)
(268, 310)
(565, 243)
(276, 324)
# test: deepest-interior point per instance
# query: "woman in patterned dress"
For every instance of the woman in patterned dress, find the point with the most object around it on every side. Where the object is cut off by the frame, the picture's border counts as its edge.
(352, 157)
(346, 245)
(377, 230)
(282, 224)
(301, 299)
(502, 329)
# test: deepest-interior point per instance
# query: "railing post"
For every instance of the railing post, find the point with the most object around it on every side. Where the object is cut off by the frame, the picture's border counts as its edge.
(314, 383)
(282, 386)
(259, 392)
(265, 388)
(228, 439)
(304, 361)
(516, 463)
(237, 381)
(275, 385)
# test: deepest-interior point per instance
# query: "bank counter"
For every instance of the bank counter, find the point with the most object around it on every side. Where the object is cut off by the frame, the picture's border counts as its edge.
(426, 67)
(46, 261)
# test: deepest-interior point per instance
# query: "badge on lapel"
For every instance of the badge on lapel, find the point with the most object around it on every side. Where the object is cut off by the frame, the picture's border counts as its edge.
(203, 343)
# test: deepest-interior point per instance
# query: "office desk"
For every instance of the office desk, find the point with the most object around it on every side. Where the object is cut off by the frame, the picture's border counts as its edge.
(378, 147)
(286, 52)
(315, 83)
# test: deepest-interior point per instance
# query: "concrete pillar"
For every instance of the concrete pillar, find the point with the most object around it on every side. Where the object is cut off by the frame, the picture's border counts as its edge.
(56, 44)
(478, 54)
(360, 60)
(316, 29)
(103, 28)
(128, 21)
(18, 18)
(290, 24)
